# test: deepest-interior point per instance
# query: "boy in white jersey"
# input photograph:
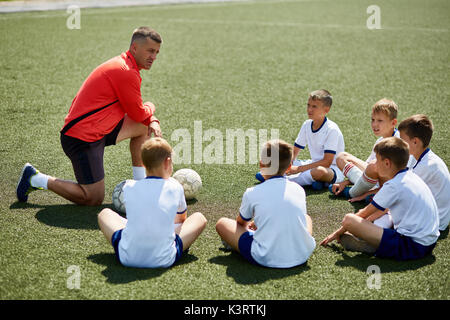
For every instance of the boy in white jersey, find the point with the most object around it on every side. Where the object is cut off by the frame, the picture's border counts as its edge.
(280, 236)
(363, 174)
(417, 131)
(157, 230)
(324, 140)
(411, 205)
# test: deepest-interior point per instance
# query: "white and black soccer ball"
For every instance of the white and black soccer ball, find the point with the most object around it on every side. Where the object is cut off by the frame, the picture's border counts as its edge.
(191, 182)
(117, 197)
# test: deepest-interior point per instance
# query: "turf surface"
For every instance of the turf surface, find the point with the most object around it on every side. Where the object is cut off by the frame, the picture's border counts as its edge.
(244, 65)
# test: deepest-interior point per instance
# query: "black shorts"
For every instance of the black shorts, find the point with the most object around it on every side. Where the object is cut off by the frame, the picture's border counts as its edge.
(87, 157)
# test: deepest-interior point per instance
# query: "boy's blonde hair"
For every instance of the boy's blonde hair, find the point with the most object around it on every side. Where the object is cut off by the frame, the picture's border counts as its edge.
(418, 126)
(322, 95)
(394, 149)
(386, 106)
(154, 151)
(284, 150)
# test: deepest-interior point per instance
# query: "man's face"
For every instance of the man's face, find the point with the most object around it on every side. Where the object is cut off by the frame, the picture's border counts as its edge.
(144, 52)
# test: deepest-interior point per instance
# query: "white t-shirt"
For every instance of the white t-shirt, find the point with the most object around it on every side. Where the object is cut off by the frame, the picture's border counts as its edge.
(373, 155)
(411, 205)
(148, 238)
(278, 207)
(434, 173)
(327, 139)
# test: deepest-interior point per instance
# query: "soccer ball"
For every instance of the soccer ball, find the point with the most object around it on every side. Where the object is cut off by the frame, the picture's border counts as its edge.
(117, 197)
(191, 182)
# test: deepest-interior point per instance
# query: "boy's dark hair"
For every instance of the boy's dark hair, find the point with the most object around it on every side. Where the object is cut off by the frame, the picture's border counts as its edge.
(322, 95)
(154, 151)
(418, 126)
(145, 32)
(284, 150)
(394, 149)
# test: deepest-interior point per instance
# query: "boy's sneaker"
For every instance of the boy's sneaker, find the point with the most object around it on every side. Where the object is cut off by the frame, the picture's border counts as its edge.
(226, 246)
(344, 193)
(318, 185)
(259, 177)
(24, 187)
(352, 243)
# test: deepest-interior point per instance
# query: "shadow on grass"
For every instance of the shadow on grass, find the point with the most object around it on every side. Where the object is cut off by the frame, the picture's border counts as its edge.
(244, 272)
(69, 216)
(362, 261)
(116, 273)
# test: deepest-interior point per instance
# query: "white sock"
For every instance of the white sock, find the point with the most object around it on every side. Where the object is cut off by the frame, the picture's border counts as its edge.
(139, 173)
(352, 172)
(39, 180)
(304, 178)
(363, 185)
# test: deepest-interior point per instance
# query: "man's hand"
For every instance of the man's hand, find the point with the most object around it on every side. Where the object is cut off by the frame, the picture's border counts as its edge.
(154, 128)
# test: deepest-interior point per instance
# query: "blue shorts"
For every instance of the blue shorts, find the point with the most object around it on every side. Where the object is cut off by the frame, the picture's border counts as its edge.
(118, 235)
(397, 246)
(245, 247)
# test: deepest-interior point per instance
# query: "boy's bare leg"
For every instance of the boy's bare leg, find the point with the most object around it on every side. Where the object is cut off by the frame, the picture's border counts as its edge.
(363, 229)
(322, 174)
(110, 222)
(344, 157)
(191, 228)
(230, 231)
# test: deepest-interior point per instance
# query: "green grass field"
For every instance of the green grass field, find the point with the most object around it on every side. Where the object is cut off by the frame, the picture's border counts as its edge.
(243, 65)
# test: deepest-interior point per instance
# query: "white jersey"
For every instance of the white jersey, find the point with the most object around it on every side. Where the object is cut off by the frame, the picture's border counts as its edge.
(327, 139)
(373, 156)
(411, 205)
(278, 207)
(434, 173)
(148, 238)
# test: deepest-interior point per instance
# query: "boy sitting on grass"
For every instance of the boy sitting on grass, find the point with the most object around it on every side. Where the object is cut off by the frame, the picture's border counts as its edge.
(281, 234)
(324, 140)
(417, 131)
(363, 174)
(155, 206)
(411, 204)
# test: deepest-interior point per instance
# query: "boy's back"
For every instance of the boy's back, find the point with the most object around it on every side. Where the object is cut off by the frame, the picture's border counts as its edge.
(148, 238)
(433, 171)
(279, 209)
(412, 207)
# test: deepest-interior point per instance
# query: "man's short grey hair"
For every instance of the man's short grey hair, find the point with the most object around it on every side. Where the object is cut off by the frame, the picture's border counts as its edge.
(145, 32)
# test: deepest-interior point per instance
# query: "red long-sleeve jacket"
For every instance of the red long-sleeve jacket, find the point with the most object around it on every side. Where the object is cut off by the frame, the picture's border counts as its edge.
(112, 90)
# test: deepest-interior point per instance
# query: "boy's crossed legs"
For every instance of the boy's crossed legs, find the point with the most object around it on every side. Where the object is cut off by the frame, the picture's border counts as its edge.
(189, 230)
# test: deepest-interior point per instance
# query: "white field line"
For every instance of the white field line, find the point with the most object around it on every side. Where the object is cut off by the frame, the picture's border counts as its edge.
(104, 11)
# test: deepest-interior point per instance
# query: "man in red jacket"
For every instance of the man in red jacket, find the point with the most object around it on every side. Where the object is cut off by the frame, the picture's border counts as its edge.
(107, 109)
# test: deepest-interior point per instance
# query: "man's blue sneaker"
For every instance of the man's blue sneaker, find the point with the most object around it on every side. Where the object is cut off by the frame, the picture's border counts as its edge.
(24, 186)
(344, 193)
(259, 177)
